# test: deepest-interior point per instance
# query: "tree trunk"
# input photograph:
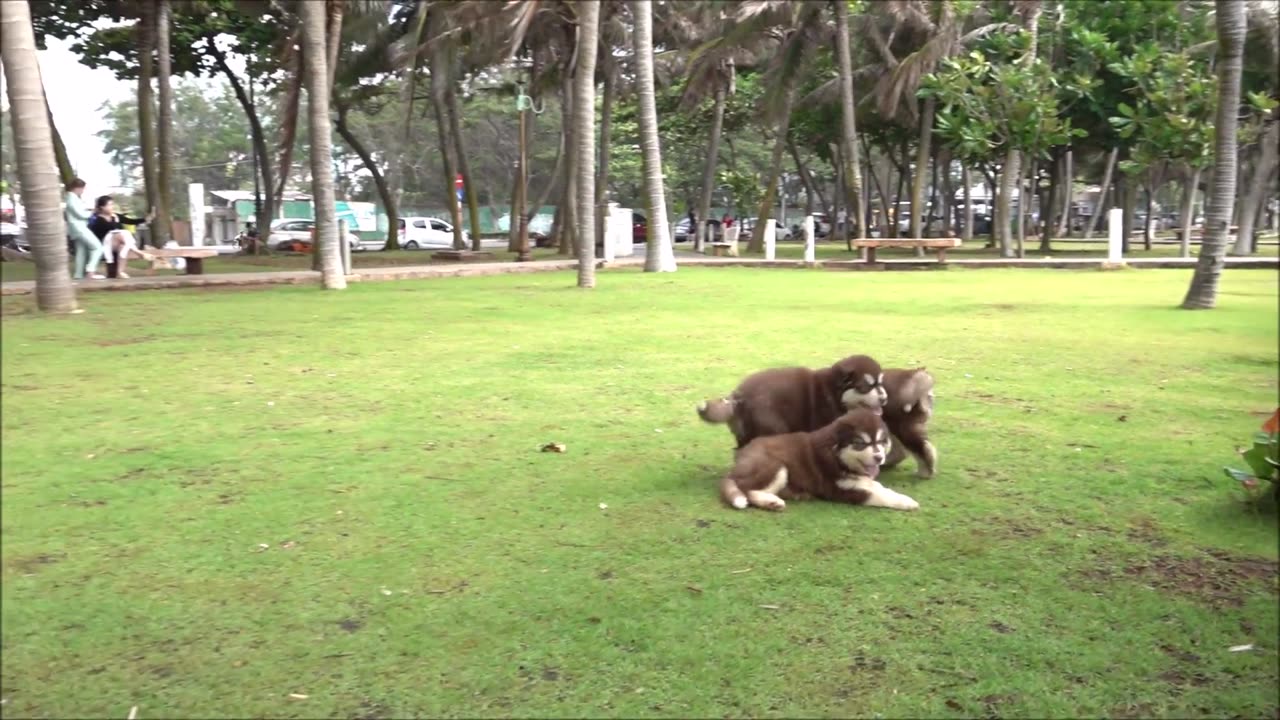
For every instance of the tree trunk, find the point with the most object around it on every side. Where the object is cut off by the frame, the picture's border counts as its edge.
(440, 62)
(1025, 195)
(584, 138)
(332, 273)
(1190, 185)
(333, 37)
(923, 152)
(1101, 206)
(162, 226)
(1009, 176)
(379, 180)
(1128, 201)
(837, 227)
(659, 256)
(602, 170)
(1148, 227)
(885, 218)
(709, 171)
(65, 171)
(566, 245)
(765, 213)
(464, 167)
(1068, 178)
(810, 187)
(965, 177)
(37, 165)
(903, 174)
(1203, 292)
(146, 103)
(267, 209)
(848, 123)
(289, 125)
(1256, 193)
(1048, 208)
(948, 194)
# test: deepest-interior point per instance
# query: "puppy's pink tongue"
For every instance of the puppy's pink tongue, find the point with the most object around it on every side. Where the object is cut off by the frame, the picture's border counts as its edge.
(872, 470)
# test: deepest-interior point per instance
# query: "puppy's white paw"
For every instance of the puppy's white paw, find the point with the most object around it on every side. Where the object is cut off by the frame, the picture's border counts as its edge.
(702, 407)
(902, 502)
(740, 503)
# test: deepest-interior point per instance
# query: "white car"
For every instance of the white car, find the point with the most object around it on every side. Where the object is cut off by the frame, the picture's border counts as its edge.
(780, 233)
(295, 234)
(418, 233)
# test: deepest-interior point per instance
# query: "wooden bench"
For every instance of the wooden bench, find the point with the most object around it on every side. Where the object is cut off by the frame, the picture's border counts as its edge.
(938, 244)
(461, 255)
(194, 256)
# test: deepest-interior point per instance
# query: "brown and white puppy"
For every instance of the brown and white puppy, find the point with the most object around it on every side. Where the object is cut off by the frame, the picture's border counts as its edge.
(907, 412)
(797, 399)
(839, 462)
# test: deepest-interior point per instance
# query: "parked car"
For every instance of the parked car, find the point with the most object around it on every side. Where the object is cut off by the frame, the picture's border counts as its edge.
(295, 235)
(639, 228)
(781, 233)
(684, 232)
(821, 225)
(418, 233)
(11, 235)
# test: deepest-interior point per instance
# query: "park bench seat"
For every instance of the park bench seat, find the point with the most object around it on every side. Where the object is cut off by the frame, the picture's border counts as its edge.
(194, 257)
(938, 244)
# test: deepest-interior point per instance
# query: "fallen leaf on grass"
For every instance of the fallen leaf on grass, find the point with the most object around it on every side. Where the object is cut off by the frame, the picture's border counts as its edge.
(1240, 648)
(288, 545)
(133, 713)
(739, 572)
(385, 591)
(771, 607)
(554, 447)
(298, 696)
(604, 506)
(262, 547)
(694, 588)
(1123, 418)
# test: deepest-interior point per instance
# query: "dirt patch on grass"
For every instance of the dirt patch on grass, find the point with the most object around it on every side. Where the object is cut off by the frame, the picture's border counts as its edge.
(113, 342)
(1216, 578)
(30, 564)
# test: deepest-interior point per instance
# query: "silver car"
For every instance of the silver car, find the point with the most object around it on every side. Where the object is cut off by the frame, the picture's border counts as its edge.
(295, 234)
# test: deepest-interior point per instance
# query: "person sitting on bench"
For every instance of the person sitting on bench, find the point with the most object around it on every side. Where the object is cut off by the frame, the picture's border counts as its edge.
(117, 242)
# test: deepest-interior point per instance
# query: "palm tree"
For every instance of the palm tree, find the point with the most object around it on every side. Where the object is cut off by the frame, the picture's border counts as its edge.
(315, 64)
(162, 227)
(1232, 24)
(584, 137)
(37, 166)
(849, 128)
(658, 256)
(146, 101)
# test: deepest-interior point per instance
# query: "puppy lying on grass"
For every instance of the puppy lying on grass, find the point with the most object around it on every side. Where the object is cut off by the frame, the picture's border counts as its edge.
(839, 462)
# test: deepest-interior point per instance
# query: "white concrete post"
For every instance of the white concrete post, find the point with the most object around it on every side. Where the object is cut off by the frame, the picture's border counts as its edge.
(609, 232)
(770, 240)
(346, 247)
(195, 202)
(1115, 238)
(810, 253)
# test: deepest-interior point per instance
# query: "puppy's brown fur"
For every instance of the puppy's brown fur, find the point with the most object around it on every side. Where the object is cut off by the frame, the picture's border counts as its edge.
(797, 399)
(907, 412)
(838, 462)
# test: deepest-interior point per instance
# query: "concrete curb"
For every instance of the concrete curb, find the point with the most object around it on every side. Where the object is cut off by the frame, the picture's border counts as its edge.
(422, 272)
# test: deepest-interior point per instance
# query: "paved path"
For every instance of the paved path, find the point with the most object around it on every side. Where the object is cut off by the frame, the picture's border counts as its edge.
(415, 272)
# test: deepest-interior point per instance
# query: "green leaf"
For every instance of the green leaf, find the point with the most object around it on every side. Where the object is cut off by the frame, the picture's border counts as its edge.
(1125, 109)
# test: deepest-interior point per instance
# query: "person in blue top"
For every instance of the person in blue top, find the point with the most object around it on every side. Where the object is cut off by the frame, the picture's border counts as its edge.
(88, 247)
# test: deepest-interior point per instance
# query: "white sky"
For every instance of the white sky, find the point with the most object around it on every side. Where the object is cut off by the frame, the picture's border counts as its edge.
(75, 93)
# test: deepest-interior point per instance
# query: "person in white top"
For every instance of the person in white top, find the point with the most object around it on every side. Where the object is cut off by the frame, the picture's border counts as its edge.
(88, 247)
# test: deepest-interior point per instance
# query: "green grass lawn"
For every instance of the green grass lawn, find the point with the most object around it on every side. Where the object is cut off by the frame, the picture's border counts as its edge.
(215, 499)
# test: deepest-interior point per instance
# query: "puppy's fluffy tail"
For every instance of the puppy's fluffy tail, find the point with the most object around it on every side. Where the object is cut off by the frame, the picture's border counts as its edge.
(731, 493)
(716, 411)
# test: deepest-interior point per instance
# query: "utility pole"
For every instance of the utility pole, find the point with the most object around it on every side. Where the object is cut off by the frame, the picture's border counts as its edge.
(523, 103)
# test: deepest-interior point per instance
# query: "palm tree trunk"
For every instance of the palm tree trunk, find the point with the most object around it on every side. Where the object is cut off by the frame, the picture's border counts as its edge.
(1190, 185)
(923, 153)
(764, 214)
(1101, 206)
(440, 63)
(709, 171)
(584, 138)
(315, 62)
(1232, 23)
(565, 227)
(658, 255)
(37, 166)
(1047, 209)
(948, 197)
(146, 103)
(464, 167)
(848, 121)
(1257, 190)
(602, 172)
(162, 225)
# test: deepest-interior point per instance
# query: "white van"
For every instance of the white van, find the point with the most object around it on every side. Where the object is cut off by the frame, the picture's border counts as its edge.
(418, 233)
